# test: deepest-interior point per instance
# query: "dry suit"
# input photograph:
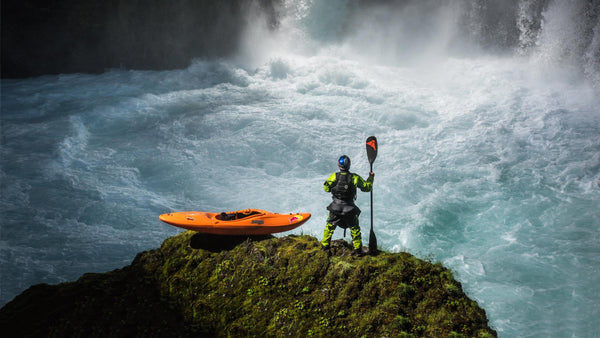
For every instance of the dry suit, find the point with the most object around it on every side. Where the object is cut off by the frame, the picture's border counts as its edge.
(342, 210)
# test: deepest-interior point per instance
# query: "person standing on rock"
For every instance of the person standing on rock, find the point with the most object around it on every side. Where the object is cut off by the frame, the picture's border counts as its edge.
(342, 211)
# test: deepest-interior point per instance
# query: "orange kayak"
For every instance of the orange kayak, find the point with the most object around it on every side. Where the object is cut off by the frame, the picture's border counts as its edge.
(242, 222)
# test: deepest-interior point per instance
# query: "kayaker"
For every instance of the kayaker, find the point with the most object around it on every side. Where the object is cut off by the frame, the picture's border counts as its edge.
(342, 211)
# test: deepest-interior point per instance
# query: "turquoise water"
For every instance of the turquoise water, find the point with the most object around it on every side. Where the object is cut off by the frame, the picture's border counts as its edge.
(488, 163)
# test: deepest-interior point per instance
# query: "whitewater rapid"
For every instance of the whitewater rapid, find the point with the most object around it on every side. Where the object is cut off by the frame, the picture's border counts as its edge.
(483, 166)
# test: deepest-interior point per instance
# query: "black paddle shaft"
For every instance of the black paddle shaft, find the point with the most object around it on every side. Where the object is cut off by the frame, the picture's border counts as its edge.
(371, 155)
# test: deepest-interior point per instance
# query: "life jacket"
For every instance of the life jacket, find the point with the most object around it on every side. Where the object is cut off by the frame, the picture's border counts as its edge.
(344, 188)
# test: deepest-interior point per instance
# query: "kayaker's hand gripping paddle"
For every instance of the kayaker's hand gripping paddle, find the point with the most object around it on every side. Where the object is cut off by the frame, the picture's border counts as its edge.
(372, 154)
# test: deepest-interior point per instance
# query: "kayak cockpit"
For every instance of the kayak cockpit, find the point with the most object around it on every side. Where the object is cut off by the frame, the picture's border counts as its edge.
(237, 215)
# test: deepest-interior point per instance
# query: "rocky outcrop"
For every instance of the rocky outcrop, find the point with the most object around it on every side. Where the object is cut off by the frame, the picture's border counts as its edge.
(196, 285)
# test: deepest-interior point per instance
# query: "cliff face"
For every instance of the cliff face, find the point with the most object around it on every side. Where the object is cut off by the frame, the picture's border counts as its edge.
(200, 285)
(50, 37)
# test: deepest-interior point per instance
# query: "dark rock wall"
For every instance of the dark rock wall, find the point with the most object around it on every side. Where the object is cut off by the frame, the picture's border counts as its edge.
(52, 36)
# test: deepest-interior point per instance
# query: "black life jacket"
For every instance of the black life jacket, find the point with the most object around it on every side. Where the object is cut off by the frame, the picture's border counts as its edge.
(343, 188)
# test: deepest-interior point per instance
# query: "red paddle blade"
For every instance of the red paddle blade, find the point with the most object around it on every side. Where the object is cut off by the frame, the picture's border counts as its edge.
(372, 148)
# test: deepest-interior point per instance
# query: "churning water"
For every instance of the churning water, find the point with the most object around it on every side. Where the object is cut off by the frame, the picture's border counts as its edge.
(489, 162)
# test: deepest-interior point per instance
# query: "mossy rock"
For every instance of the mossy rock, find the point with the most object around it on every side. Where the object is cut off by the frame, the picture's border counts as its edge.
(197, 285)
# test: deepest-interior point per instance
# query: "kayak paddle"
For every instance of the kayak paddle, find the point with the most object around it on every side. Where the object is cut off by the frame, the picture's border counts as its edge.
(372, 154)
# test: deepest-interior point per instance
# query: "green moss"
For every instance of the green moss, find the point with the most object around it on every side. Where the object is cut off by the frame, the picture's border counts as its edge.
(278, 287)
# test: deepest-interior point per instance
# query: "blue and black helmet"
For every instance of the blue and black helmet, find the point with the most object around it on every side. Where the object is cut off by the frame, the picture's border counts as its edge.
(344, 162)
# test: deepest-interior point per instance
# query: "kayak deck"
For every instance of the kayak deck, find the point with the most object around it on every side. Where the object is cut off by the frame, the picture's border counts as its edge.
(241, 222)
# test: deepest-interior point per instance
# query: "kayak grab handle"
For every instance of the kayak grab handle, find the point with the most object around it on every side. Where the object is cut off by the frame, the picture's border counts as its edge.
(190, 218)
